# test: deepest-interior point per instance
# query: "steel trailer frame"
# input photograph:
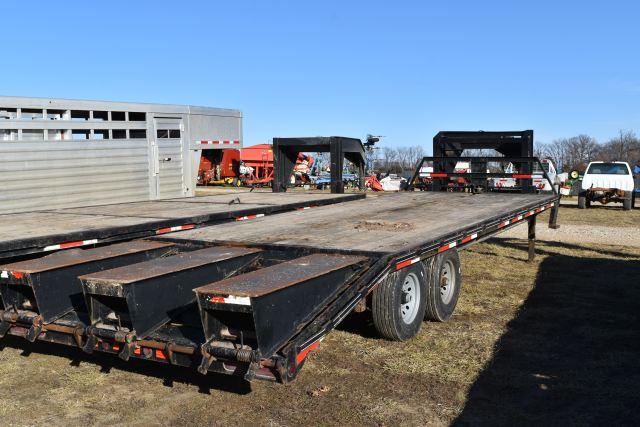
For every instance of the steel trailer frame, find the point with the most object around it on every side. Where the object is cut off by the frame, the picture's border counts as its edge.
(257, 353)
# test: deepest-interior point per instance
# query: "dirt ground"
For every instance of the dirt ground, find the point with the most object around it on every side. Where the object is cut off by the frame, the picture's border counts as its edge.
(555, 342)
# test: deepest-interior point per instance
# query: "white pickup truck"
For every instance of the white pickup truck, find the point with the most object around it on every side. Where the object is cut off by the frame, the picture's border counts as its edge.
(606, 182)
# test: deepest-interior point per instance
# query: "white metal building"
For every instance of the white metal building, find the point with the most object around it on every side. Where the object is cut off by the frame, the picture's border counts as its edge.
(58, 153)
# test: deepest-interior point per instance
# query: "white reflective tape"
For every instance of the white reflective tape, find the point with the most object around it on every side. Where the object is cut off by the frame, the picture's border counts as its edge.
(237, 300)
(51, 248)
(4, 275)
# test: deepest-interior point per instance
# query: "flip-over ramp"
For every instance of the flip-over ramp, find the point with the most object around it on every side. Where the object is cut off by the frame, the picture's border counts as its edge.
(41, 290)
(250, 316)
(129, 303)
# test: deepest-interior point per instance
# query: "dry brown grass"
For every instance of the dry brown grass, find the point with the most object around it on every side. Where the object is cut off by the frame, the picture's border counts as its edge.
(609, 215)
(480, 367)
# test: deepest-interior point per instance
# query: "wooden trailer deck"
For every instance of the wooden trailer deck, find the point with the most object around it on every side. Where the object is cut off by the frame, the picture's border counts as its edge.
(379, 225)
(32, 232)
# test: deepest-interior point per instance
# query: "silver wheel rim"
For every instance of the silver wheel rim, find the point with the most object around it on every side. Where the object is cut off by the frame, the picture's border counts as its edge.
(410, 300)
(447, 282)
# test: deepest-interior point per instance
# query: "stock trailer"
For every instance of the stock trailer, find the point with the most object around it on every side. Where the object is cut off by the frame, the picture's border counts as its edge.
(252, 286)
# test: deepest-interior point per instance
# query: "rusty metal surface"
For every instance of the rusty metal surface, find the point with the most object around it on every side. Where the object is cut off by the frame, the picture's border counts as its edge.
(162, 266)
(71, 257)
(279, 276)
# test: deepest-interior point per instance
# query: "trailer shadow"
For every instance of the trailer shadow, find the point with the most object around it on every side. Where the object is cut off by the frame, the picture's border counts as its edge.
(170, 375)
(571, 354)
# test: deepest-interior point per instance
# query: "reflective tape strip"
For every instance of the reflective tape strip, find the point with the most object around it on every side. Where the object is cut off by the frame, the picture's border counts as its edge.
(4, 275)
(407, 263)
(305, 352)
(516, 219)
(176, 228)
(469, 238)
(246, 217)
(447, 246)
(231, 299)
(219, 142)
(522, 176)
(68, 245)
(503, 224)
(438, 175)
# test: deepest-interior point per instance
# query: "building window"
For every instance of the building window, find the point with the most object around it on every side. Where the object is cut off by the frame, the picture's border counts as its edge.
(56, 114)
(101, 134)
(56, 135)
(79, 115)
(33, 135)
(174, 133)
(8, 113)
(8, 134)
(137, 133)
(119, 134)
(118, 116)
(162, 133)
(137, 117)
(80, 134)
(100, 116)
(31, 114)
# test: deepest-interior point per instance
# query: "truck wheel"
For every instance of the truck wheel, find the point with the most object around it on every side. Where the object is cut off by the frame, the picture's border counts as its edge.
(627, 202)
(398, 303)
(582, 201)
(443, 286)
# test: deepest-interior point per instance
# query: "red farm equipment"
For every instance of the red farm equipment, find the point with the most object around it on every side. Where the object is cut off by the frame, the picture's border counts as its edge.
(249, 166)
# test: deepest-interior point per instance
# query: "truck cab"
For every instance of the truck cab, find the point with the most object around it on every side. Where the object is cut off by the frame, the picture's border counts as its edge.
(606, 182)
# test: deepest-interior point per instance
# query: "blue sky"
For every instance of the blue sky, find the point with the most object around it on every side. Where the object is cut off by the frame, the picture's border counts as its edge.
(403, 69)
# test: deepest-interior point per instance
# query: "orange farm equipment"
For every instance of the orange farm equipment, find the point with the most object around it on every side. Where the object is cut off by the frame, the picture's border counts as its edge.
(250, 166)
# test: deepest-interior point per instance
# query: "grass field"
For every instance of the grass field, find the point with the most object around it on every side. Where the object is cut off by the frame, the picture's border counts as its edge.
(610, 214)
(554, 341)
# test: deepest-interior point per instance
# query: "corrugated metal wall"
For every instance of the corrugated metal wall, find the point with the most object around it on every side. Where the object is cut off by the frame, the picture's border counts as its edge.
(57, 153)
(55, 174)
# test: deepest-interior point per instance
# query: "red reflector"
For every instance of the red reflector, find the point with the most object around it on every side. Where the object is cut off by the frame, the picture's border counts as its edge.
(160, 355)
(438, 175)
(17, 274)
(303, 354)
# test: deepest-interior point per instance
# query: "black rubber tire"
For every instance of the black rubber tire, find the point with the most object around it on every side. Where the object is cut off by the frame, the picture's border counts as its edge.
(627, 203)
(436, 309)
(582, 201)
(385, 306)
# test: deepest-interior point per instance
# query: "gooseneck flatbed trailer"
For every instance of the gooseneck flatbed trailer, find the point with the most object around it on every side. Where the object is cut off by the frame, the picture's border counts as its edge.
(253, 298)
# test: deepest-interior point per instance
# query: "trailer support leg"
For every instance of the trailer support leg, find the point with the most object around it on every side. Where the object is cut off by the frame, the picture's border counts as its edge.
(532, 238)
(553, 218)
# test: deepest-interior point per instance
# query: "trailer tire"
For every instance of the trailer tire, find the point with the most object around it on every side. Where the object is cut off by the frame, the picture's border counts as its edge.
(393, 318)
(443, 286)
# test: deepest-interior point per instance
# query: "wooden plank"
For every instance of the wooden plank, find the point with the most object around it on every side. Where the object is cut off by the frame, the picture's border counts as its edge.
(385, 224)
(32, 231)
